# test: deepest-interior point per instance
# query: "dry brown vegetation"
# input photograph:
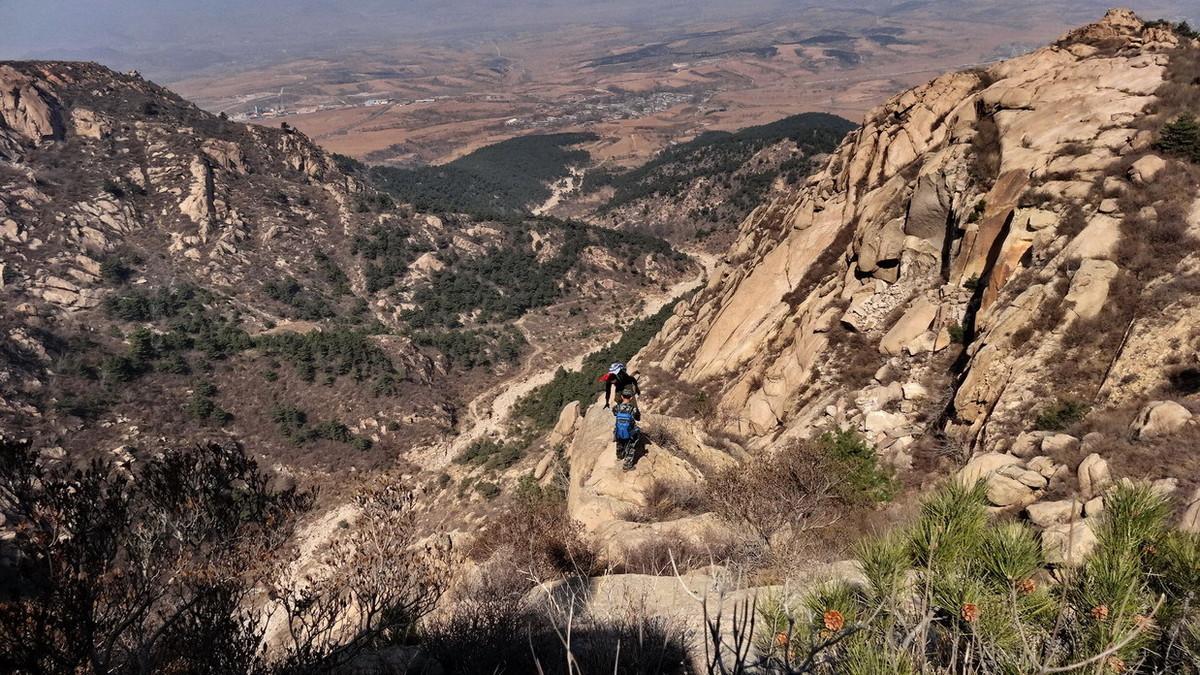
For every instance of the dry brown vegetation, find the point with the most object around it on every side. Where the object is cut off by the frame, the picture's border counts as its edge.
(1091, 345)
(538, 537)
(672, 552)
(121, 572)
(1156, 214)
(785, 501)
(1153, 225)
(499, 634)
(856, 355)
(985, 151)
(668, 500)
(1144, 458)
(686, 399)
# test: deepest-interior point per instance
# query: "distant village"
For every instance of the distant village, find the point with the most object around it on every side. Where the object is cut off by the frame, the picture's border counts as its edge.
(603, 109)
(281, 110)
(575, 110)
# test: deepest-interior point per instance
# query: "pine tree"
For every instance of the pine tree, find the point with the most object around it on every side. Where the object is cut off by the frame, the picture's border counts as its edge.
(1181, 137)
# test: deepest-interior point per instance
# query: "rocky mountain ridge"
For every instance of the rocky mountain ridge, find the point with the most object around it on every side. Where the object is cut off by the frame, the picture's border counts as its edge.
(994, 270)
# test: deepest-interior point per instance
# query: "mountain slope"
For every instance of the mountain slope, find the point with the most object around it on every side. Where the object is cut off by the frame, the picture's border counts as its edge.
(170, 274)
(505, 178)
(1000, 261)
(710, 183)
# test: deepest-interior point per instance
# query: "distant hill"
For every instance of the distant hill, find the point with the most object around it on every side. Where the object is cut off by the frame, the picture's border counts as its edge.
(505, 178)
(714, 180)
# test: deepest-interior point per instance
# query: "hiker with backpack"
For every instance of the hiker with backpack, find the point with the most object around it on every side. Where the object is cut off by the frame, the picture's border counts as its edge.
(625, 429)
(618, 379)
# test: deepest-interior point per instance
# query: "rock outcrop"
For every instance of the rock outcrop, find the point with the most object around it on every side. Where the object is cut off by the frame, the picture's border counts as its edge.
(27, 109)
(939, 235)
(605, 499)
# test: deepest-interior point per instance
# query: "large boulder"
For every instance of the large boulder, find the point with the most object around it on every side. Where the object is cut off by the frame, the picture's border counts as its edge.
(916, 320)
(1058, 444)
(1003, 490)
(1098, 240)
(1160, 418)
(981, 466)
(882, 423)
(1089, 287)
(568, 419)
(1047, 514)
(1146, 169)
(881, 244)
(26, 109)
(1094, 475)
(929, 209)
(1027, 444)
(1068, 544)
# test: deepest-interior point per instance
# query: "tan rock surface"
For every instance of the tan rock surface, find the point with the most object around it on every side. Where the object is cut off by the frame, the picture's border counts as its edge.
(1160, 418)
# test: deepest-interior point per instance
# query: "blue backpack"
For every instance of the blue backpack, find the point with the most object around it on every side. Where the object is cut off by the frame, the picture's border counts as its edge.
(626, 425)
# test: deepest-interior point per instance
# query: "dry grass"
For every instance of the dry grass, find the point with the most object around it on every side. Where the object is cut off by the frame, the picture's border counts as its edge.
(984, 164)
(1036, 199)
(1180, 92)
(1150, 243)
(541, 538)
(668, 500)
(1168, 457)
(669, 552)
(856, 355)
(1089, 346)
(685, 399)
(1075, 149)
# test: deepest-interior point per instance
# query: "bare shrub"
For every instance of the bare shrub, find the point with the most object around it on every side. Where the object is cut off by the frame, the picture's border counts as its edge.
(1180, 91)
(668, 500)
(805, 487)
(1094, 343)
(541, 538)
(1036, 199)
(1061, 175)
(1150, 242)
(121, 572)
(380, 580)
(686, 399)
(856, 355)
(505, 637)
(1075, 149)
(1073, 220)
(984, 164)
(672, 552)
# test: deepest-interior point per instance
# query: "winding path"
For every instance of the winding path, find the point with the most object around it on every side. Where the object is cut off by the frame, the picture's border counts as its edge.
(488, 413)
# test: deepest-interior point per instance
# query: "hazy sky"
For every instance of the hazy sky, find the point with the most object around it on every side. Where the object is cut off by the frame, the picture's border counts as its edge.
(36, 25)
(173, 37)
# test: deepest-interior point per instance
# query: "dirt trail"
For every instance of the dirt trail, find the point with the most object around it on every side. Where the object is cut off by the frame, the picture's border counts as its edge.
(488, 413)
(561, 188)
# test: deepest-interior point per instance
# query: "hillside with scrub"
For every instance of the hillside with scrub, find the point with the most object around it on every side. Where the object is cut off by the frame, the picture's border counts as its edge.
(932, 410)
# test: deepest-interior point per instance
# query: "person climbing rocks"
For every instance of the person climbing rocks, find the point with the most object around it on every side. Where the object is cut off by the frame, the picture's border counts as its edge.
(618, 379)
(625, 428)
